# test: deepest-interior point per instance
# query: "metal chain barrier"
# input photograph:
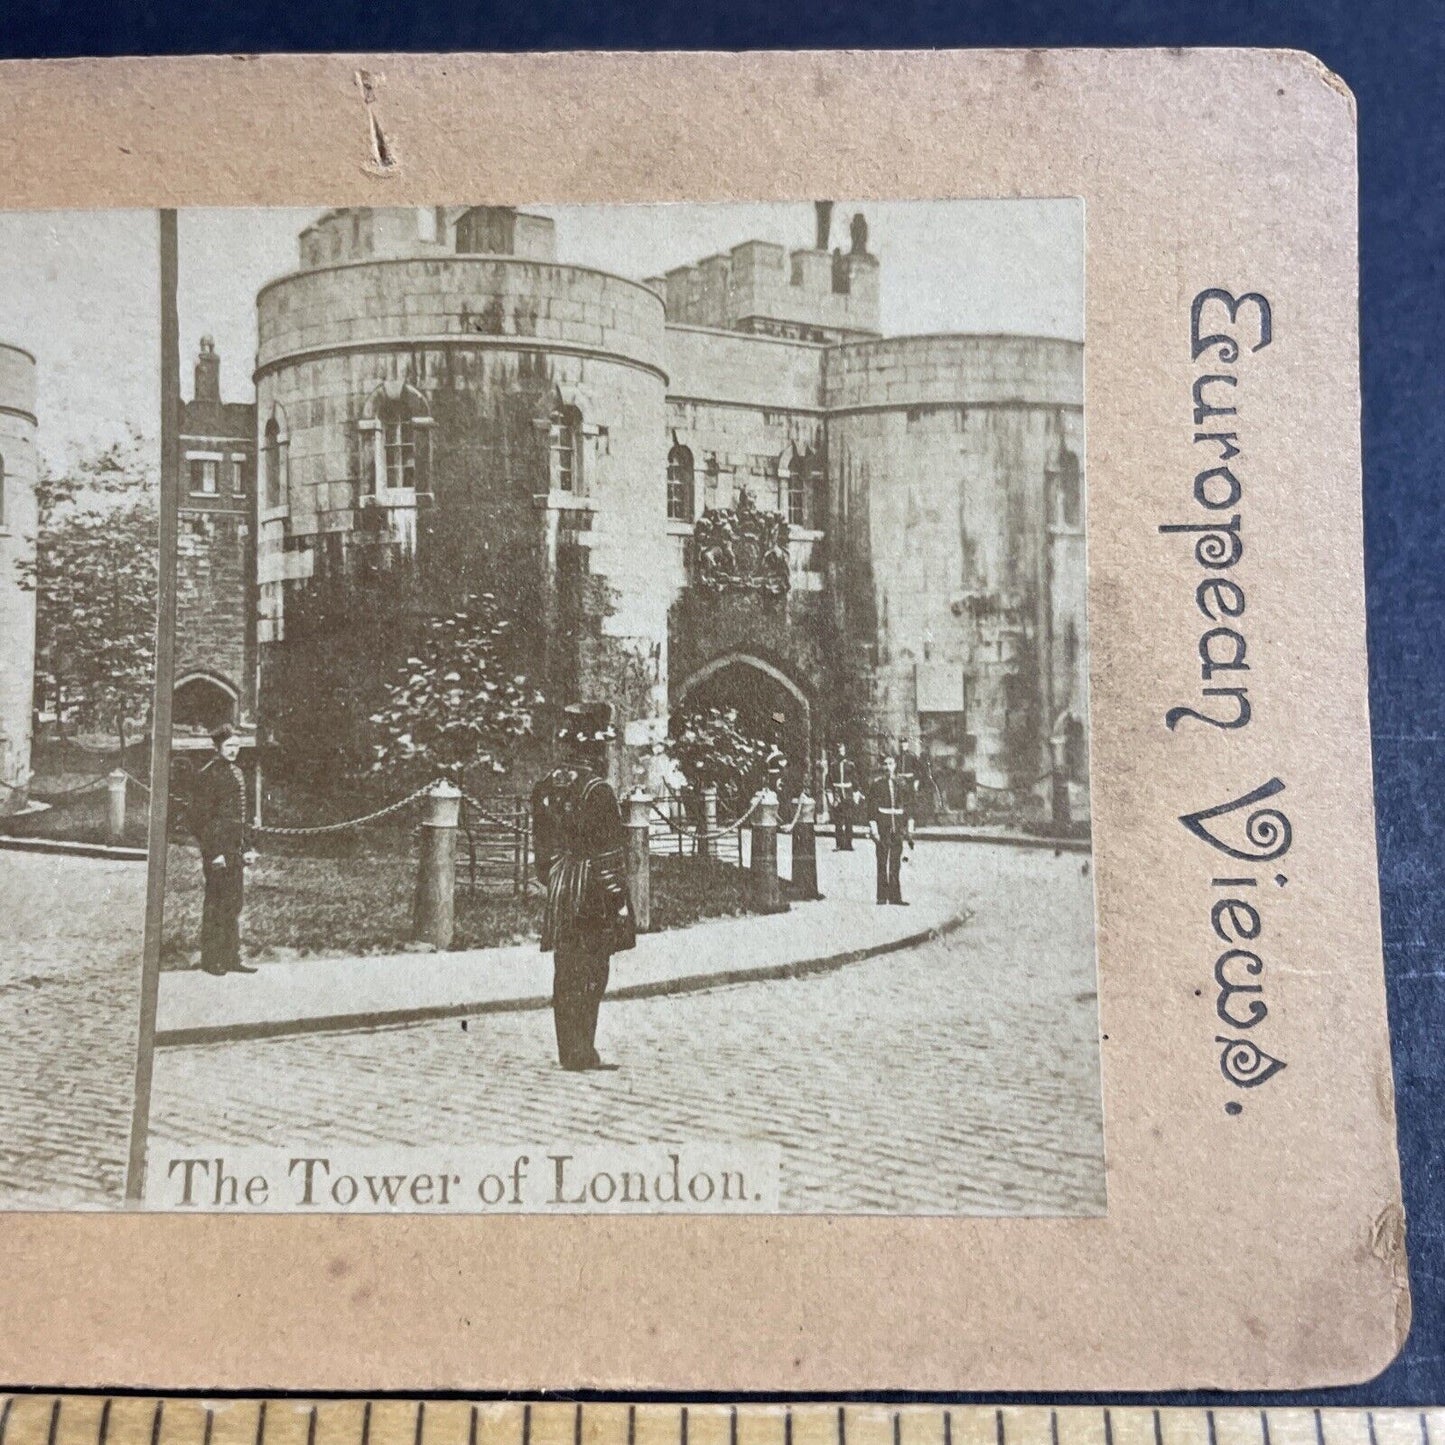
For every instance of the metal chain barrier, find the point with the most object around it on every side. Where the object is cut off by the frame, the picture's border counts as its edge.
(471, 802)
(144, 787)
(797, 813)
(380, 813)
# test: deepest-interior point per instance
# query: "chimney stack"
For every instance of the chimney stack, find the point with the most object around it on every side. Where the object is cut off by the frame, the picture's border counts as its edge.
(208, 371)
(824, 211)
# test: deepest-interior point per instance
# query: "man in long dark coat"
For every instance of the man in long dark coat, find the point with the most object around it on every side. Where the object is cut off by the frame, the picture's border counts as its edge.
(217, 816)
(580, 848)
(890, 825)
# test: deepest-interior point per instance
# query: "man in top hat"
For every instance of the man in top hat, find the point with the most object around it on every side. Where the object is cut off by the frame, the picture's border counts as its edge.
(890, 826)
(580, 848)
(218, 819)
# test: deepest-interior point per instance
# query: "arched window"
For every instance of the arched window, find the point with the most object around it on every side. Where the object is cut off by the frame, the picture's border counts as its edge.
(1068, 490)
(679, 484)
(564, 443)
(399, 458)
(273, 462)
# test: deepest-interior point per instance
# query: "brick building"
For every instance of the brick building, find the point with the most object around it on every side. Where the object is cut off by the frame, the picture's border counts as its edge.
(441, 403)
(17, 547)
(216, 559)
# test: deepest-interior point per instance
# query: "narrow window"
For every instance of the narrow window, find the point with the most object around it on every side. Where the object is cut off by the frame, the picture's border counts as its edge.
(679, 484)
(238, 477)
(273, 463)
(203, 476)
(1070, 504)
(565, 443)
(2, 491)
(401, 439)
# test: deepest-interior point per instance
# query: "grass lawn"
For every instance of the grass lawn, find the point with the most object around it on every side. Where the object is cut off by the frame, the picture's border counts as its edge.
(336, 906)
(81, 818)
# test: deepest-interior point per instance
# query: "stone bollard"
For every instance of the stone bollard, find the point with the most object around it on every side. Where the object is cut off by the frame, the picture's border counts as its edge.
(707, 845)
(805, 850)
(764, 894)
(1059, 789)
(115, 805)
(434, 913)
(639, 858)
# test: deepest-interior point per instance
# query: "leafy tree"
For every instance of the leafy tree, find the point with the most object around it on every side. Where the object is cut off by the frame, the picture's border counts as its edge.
(722, 747)
(95, 576)
(455, 702)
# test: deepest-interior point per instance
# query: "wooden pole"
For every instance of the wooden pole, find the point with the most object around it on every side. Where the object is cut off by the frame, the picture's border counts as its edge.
(165, 678)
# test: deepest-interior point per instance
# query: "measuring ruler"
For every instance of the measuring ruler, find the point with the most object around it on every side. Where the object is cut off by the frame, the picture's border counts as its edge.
(101, 1420)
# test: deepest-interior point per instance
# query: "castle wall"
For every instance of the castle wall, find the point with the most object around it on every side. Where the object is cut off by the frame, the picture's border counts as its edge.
(940, 453)
(18, 522)
(493, 345)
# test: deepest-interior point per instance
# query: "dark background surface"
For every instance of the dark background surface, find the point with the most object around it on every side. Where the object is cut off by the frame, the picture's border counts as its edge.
(1393, 57)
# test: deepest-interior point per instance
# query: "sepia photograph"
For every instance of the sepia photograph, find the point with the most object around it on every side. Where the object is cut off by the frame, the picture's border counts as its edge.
(628, 733)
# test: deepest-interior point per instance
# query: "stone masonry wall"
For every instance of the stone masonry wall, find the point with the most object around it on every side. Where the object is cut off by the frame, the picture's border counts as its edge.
(17, 545)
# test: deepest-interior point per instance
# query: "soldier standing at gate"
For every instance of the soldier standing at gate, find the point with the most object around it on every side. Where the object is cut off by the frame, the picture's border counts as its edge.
(217, 814)
(890, 825)
(580, 848)
(842, 787)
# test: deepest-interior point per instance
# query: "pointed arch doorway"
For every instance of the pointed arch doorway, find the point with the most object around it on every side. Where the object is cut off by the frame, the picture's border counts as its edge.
(768, 701)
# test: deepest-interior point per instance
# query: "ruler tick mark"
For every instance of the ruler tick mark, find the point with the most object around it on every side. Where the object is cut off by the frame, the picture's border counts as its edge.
(947, 1427)
(1108, 1427)
(681, 1427)
(631, 1425)
(261, 1424)
(54, 1422)
(1209, 1420)
(156, 1422)
(472, 1428)
(843, 1428)
(365, 1424)
(206, 1434)
(311, 1428)
(1158, 1430)
(732, 1427)
(997, 1428)
(1319, 1428)
(526, 1425)
(1424, 1429)
(102, 1431)
(420, 1417)
(577, 1424)
(1264, 1425)
(1053, 1427)
(1370, 1425)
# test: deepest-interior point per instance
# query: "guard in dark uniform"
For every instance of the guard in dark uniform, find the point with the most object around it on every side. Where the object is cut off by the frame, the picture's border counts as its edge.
(217, 816)
(890, 825)
(580, 848)
(842, 786)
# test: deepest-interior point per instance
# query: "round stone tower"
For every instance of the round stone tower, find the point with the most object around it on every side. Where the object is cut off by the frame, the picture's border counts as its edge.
(958, 560)
(17, 549)
(435, 418)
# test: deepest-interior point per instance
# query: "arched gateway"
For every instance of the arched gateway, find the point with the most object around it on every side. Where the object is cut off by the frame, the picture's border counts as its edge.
(763, 694)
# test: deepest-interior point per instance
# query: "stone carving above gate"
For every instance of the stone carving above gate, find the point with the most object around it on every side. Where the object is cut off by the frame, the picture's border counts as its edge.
(741, 548)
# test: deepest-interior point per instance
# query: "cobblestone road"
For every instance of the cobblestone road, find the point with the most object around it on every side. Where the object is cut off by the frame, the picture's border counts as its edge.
(961, 1076)
(69, 995)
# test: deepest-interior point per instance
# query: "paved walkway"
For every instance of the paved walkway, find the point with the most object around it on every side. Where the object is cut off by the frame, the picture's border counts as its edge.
(69, 1000)
(957, 1077)
(313, 995)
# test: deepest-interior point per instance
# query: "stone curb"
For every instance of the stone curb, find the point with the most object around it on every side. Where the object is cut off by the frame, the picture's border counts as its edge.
(59, 848)
(401, 1018)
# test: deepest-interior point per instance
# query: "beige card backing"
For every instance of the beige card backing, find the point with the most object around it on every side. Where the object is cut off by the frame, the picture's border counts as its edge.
(1251, 1246)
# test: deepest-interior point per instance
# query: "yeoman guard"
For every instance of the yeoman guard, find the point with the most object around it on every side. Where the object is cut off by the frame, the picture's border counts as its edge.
(579, 845)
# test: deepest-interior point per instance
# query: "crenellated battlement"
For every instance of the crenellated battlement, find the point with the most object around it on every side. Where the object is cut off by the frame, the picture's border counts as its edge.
(766, 289)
